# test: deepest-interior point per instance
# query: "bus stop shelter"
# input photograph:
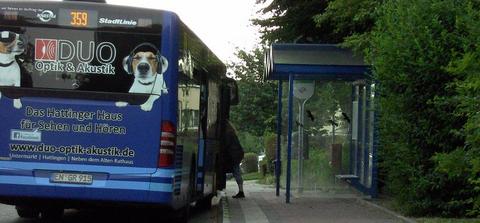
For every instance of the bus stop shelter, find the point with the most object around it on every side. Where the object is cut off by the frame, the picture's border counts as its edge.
(301, 66)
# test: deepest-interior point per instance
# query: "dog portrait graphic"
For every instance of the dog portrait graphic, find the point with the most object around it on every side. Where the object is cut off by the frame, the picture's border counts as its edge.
(148, 68)
(11, 45)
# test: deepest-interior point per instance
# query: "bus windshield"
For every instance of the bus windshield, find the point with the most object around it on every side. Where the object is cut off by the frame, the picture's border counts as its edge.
(79, 59)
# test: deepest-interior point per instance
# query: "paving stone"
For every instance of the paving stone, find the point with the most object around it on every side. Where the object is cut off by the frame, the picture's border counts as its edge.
(262, 206)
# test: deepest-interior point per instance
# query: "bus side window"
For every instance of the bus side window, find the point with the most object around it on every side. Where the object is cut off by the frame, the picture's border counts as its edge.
(213, 108)
(203, 107)
(188, 110)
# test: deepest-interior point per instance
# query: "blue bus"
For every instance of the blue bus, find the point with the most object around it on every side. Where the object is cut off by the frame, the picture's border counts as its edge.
(103, 104)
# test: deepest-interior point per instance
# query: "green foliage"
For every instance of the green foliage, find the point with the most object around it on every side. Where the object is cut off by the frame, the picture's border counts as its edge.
(350, 19)
(453, 164)
(317, 171)
(250, 143)
(251, 176)
(465, 162)
(270, 145)
(256, 111)
(317, 21)
(446, 220)
(267, 180)
(264, 167)
(413, 48)
(328, 99)
(289, 21)
(250, 163)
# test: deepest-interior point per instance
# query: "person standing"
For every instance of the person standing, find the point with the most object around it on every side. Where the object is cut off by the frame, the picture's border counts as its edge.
(236, 153)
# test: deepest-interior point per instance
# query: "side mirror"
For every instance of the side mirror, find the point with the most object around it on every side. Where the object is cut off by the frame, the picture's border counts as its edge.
(234, 97)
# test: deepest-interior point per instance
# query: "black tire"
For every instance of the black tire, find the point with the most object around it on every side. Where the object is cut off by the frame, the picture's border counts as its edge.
(51, 214)
(205, 203)
(182, 215)
(27, 212)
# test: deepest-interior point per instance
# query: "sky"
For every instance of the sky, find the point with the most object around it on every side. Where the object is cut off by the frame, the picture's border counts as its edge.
(222, 25)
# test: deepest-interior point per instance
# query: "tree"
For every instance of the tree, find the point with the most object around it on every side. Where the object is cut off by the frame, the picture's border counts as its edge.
(412, 45)
(465, 162)
(256, 111)
(291, 20)
(317, 21)
(352, 21)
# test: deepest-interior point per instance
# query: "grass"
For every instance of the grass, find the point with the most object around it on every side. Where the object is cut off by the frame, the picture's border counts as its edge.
(388, 203)
(252, 176)
(267, 180)
(447, 220)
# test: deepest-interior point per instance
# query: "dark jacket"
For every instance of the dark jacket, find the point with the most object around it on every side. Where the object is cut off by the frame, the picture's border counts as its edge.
(233, 147)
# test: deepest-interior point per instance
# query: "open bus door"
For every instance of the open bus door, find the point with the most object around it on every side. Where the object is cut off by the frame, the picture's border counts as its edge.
(230, 97)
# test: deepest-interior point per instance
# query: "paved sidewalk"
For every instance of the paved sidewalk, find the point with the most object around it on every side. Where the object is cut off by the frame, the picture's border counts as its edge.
(262, 206)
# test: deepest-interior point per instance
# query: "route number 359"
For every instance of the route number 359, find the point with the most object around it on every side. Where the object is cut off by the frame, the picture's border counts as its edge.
(79, 18)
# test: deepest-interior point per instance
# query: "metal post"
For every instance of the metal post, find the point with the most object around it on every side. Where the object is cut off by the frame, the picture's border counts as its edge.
(350, 132)
(374, 187)
(289, 146)
(366, 134)
(354, 152)
(301, 145)
(278, 158)
(333, 128)
(358, 152)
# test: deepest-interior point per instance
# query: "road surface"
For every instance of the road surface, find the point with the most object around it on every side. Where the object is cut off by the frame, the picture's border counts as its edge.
(8, 214)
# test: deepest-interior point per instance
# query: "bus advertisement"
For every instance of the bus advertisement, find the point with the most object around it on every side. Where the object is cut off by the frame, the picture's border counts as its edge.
(107, 103)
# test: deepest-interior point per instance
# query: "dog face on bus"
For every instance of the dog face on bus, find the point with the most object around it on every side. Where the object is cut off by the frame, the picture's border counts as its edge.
(148, 69)
(145, 64)
(11, 45)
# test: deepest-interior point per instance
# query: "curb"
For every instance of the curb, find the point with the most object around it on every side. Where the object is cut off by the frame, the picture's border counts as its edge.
(386, 210)
(225, 210)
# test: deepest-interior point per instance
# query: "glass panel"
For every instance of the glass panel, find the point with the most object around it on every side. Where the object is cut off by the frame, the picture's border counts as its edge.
(213, 109)
(284, 137)
(326, 140)
(355, 132)
(86, 60)
(188, 110)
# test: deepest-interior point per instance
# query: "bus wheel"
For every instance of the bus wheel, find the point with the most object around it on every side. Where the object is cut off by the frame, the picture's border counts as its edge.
(27, 212)
(206, 202)
(183, 214)
(52, 214)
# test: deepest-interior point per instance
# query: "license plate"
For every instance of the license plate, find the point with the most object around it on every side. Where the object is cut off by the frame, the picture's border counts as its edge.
(72, 178)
